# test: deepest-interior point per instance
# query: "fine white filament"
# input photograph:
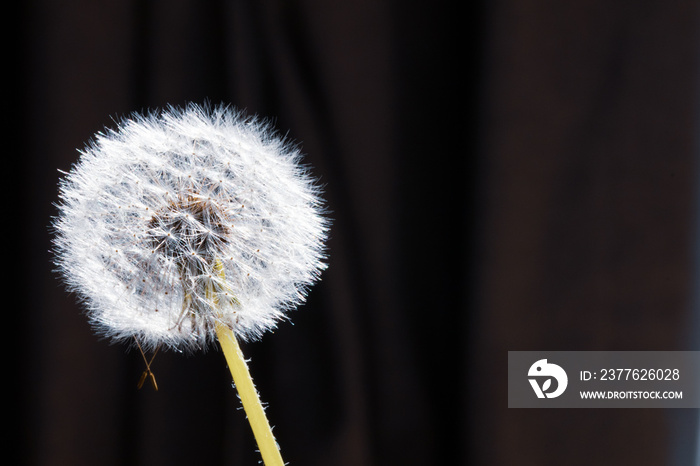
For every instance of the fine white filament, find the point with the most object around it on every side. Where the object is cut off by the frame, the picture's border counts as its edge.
(186, 218)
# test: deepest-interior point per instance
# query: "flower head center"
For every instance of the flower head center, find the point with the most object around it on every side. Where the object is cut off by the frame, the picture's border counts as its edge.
(192, 225)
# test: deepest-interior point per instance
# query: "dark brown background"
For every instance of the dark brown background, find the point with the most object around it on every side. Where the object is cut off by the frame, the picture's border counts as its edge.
(520, 176)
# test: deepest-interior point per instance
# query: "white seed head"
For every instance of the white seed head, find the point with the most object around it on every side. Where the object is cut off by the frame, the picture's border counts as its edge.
(178, 221)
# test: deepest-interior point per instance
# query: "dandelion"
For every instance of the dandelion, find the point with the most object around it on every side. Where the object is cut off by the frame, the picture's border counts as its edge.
(155, 211)
(189, 226)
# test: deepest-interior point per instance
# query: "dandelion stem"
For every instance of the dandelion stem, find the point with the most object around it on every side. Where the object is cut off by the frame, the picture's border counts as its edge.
(249, 397)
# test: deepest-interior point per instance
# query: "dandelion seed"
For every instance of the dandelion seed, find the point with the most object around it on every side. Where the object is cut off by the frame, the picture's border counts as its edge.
(160, 192)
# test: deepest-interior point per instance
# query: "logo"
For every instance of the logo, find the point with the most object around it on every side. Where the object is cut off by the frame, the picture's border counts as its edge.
(545, 372)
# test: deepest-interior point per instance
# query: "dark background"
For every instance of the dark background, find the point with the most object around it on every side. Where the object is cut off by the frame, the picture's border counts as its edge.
(507, 175)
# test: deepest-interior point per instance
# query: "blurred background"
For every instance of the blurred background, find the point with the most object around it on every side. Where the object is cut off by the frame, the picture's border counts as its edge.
(507, 175)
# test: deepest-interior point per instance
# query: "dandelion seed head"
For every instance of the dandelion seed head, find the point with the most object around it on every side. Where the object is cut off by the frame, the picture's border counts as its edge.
(177, 221)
